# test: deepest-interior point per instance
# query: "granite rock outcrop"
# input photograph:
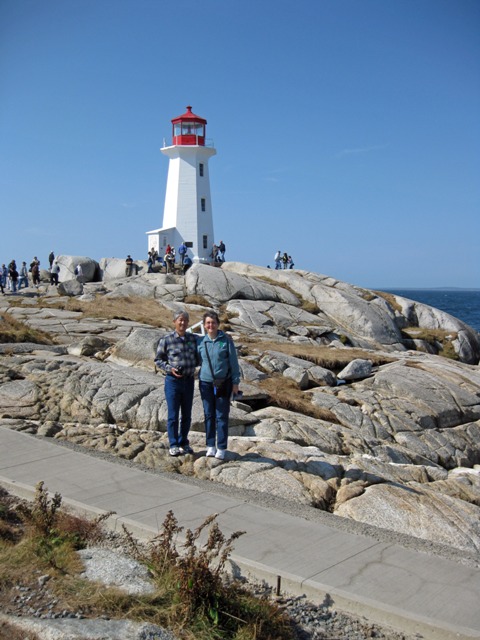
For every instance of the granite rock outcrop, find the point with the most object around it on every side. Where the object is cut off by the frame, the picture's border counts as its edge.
(377, 428)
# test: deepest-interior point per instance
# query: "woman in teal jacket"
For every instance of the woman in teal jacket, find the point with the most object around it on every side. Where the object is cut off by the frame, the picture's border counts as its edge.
(218, 362)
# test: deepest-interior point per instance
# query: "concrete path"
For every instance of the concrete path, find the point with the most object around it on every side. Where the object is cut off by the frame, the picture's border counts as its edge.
(386, 583)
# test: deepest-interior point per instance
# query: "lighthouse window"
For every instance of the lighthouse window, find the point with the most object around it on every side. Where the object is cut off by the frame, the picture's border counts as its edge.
(200, 169)
(205, 242)
(203, 203)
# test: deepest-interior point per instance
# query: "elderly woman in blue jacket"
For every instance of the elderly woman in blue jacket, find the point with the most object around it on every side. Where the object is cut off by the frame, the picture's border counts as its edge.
(219, 378)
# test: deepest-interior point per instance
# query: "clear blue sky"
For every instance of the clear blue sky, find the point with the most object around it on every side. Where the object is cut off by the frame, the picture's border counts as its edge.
(347, 131)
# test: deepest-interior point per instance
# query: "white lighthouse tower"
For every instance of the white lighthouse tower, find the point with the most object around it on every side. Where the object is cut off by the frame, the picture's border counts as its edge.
(187, 215)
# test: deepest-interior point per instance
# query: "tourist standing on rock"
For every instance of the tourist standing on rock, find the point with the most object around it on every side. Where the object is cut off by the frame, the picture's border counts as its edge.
(35, 273)
(128, 266)
(51, 258)
(54, 271)
(3, 276)
(278, 259)
(221, 251)
(35, 270)
(219, 377)
(182, 252)
(177, 357)
(13, 276)
(79, 273)
(154, 254)
(150, 263)
(23, 277)
(187, 263)
(11, 265)
(169, 262)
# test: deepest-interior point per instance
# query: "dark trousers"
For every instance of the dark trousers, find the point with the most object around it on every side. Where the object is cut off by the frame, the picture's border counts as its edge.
(179, 397)
(216, 412)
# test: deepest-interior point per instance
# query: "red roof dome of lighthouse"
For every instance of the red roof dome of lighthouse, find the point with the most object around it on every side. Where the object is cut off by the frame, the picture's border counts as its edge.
(188, 129)
(188, 115)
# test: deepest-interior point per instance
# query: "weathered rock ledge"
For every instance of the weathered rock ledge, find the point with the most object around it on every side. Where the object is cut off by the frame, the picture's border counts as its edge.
(390, 439)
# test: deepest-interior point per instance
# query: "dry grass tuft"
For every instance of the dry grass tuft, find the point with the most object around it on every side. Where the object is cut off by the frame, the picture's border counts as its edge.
(440, 339)
(390, 298)
(284, 393)
(201, 301)
(135, 309)
(326, 357)
(12, 330)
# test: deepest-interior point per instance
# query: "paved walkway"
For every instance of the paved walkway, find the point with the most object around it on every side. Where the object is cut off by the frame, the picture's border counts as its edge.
(409, 590)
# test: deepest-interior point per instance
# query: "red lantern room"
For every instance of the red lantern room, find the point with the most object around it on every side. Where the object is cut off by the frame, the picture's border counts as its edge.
(189, 129)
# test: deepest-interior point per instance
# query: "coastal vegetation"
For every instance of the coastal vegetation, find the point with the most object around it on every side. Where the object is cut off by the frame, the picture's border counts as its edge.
(12, 330)
(191, 595)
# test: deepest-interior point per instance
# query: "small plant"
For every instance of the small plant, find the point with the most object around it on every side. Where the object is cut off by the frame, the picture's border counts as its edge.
(191, 596)
(440, 339)
(391, 299)
(201, 568)
(311, 307)
(42, 516)
(55, 532)
(205, 602)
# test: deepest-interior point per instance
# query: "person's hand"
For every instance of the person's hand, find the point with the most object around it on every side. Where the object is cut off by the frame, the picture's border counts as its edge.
(235, 389)
(176, 374)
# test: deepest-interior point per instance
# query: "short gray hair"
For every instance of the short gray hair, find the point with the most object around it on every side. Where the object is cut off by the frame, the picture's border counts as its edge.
(177, 314)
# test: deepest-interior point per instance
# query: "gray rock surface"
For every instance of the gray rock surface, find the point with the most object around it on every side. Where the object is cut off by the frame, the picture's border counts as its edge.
(221, 285)
(70, 288)
(397, 444)
(138, 349)
(67, 266)
(114, 569)
(356, 370)
(68, 629)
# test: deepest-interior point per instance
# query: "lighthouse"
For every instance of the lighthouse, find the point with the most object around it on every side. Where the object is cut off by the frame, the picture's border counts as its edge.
(187, 215)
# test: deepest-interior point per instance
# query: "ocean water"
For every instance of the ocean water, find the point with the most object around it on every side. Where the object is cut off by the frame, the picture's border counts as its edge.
(463, 304)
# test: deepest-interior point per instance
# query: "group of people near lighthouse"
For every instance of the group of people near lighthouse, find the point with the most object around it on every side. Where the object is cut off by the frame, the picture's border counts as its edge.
(283, 260)
(181, 257)
(13, 276)
(169, 259)
(179, 355)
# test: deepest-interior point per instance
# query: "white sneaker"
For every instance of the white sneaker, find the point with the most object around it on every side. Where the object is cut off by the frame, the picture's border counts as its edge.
(220, 455)
(211, 451)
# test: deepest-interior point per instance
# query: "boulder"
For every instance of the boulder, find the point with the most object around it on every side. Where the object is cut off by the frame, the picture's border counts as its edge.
(261, 476)
(416, 314)
(313, 375)
(356, 370)
(220, 286)
(273, 317)
(114, 268)
(138, 349)
(371, 321)
(67, 266)
(418, 512)
(19, 399)
(88, 346)
(298, 375)
(70, 288)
